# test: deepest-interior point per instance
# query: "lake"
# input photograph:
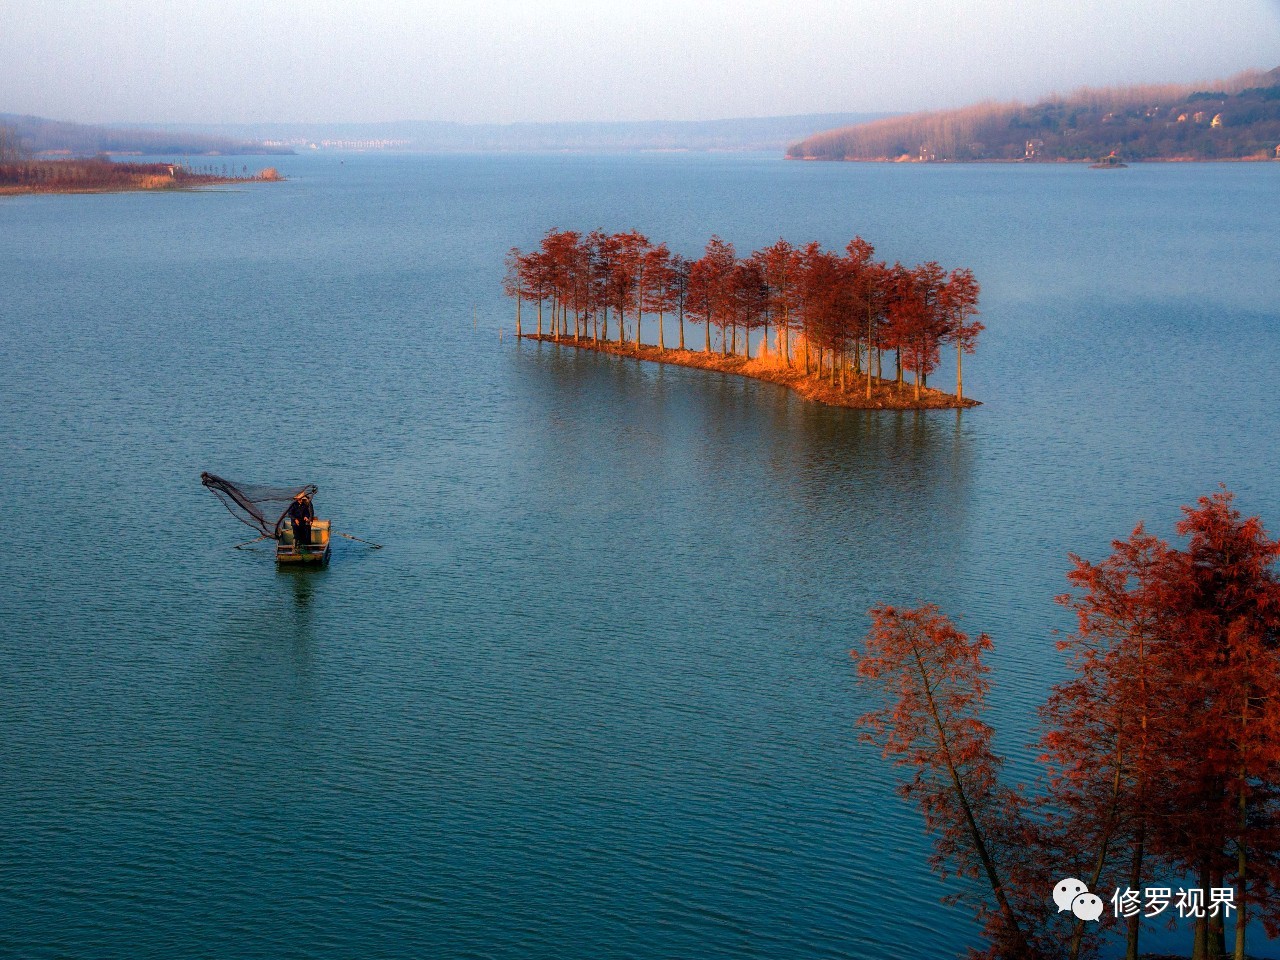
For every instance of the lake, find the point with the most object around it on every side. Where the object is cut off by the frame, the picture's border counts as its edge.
(594, 697)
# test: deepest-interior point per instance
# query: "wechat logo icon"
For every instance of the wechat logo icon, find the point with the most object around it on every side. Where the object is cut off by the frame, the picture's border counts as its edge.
(1072, 894)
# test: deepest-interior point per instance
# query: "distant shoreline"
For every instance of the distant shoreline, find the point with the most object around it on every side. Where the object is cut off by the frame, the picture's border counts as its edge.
(1021, 162)
(885, 394)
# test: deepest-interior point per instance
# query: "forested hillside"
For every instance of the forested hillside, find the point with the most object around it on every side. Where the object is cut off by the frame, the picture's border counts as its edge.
(1237, 119)
(38, 135)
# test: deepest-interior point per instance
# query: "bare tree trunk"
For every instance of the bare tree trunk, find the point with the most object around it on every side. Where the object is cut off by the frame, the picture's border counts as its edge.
(639, 305)
(1134, 924)
(959, 371)
(1242, 887)
(786, 333)
(975, 835)
(1217, 926)
(518, 299)
(661, 343)
(539, 316)
(1073, 952)
(1200, 945)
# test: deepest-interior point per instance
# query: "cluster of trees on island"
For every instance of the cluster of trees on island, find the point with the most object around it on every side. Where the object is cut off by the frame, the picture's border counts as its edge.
(1161, 749)
(835, 314)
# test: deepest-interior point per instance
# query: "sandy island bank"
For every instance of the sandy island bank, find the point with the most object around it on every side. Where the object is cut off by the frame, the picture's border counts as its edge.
(885, 394)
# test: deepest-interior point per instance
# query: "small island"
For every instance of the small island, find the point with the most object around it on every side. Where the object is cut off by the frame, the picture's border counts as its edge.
(820, 322)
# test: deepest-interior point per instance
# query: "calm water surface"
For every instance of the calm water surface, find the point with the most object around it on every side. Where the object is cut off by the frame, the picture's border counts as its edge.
(594, 698)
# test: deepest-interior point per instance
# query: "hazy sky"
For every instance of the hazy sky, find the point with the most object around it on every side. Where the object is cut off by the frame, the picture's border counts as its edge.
(494, 60)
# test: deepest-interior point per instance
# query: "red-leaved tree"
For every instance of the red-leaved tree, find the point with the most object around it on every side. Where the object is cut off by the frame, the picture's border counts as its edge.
(933, 684)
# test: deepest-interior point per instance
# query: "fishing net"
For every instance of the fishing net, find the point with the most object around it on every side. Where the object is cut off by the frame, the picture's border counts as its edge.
(260, 506)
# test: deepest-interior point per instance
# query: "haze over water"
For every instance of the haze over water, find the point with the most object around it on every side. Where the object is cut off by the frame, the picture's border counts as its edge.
(594, 697)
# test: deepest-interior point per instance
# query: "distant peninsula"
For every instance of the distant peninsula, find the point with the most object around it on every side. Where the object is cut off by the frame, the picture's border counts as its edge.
(102, 175)
(1235, 119)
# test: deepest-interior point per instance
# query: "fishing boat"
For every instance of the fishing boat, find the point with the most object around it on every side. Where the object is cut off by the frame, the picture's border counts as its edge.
(280, 513)
(317, 551)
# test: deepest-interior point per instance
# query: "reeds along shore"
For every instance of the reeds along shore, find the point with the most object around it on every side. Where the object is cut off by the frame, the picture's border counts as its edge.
(818, 321)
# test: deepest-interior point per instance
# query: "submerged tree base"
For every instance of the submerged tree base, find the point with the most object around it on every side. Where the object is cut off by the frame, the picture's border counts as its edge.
(885, 394)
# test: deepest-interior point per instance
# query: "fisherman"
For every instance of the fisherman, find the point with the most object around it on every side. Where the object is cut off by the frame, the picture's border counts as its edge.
(301, 513)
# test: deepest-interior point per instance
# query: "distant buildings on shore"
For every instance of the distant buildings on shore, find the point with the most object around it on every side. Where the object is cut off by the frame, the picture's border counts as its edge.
(371, 144)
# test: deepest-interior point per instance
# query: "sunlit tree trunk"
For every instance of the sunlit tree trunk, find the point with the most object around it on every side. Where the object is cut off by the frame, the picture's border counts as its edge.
(661, 342)
(871, 349)
(519, 297)
(784, 339)
(639, 305)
